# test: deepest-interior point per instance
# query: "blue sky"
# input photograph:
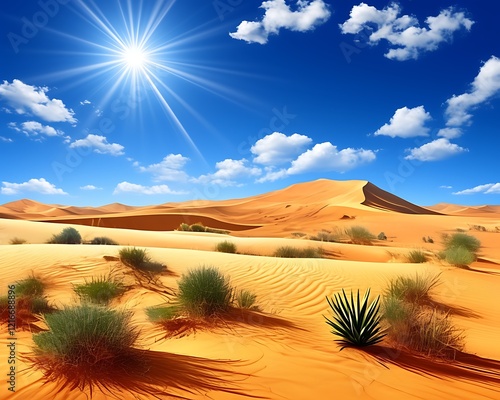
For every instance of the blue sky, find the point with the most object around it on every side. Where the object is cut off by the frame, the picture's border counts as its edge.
(145, 102)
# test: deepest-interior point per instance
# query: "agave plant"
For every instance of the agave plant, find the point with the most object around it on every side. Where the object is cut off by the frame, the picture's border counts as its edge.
(356, 322)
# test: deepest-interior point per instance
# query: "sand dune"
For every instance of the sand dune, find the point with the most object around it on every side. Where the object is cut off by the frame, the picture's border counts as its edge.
(284, 351)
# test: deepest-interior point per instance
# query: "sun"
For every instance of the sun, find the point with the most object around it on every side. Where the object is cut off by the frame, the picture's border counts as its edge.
(134, 57)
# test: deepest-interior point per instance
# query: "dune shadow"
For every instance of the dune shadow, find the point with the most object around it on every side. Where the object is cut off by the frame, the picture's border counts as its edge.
(464, 366)
(147, 373)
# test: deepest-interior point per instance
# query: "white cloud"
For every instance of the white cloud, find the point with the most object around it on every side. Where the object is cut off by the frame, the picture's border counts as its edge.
(4, 139)
(450, 133)
(126, 187)
(169, 169)
(435, 150)
(406, 38)
(445, 187)
(406, 122)
(277, 148)
(90, 187)
(485, 85)
(99, 144)
(229, 172)
(489, 188)
(323, 157)
(35, 128)
(85, 102)
(33, 185)
(278, 15)
(26, 99)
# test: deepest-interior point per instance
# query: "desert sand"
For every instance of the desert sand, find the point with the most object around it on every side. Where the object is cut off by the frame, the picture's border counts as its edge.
(286, 350)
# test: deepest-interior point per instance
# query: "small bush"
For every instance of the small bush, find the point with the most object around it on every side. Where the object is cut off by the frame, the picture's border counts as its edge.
(103, 240)
(335, 236)
(85, 336)
(359, 235)
(462, 240)
(204, 292)
(293, 252)
(160, 314)
(381, 236)
(226, 247)
(31, 287)
(40, 305)
(356, 322)
(16, 240)
(246, 299)
(100, 290)
(416, 256)
(412, 289)
(459, 256)
(198, 228)
(184, 227)
(139, 259)
(67, 236)
(397, 312)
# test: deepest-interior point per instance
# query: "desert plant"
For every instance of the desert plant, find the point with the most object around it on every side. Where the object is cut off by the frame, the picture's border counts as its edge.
(337, 236)
(103, 240)
(294, 252)
(67, 236)
(85, 336)
(412, 289)
(198, 227)
(139, 259)
(462, 240)
(100, 290)
(31, 287)
(359, 235)
(204, 291)
(396, 311)
(16, 240)
(357, 323)
(215, 230)
(184, 227)
(416, 256)
(40, 305)
(160, 314)
(246, 299)
(226, 247)
(459, 256)
(382, 236)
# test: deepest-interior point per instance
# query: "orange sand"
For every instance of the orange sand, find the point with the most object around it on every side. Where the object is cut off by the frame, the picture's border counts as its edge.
(286, 351)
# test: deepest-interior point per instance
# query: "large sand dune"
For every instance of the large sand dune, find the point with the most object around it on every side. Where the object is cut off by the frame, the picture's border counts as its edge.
(286, 350)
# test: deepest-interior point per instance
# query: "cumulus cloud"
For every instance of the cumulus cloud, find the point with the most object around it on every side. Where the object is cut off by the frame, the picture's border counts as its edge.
(229, 172)
(403, 33)
(90, 187)
(40, 186)
(169, 169)
(27, 99)
(450, 133)
(127, 187)
(323, 157)
(279, 15)
(436, 150)
(277, 148)
(99, 144)
(406, 122)
(489, 188)
(485, 85)
(34, 128)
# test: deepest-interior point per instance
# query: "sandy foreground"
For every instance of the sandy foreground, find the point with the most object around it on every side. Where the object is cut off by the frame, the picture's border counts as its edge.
(286, 350)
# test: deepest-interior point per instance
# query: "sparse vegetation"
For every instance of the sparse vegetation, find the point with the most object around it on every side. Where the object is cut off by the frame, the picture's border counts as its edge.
(459, 257)
(30, 287)
(460, 249)
(204, 292)
(412, 289)
(336, 235)
(359, 235)
(246, 299)
(103, 240)
(294, 252)
(382, 236)
(356, 322)
(416, 256)
(160, 314)
(226, 247)
(100, 290)
(199, 227)
(67, 236)
(139, 260)
(16, 240)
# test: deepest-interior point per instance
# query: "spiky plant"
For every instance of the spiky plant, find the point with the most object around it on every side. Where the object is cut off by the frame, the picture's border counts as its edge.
(357, 323)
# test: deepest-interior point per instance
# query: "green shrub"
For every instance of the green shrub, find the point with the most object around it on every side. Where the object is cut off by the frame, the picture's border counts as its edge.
(412, 289)
(204, 292)
(198, 228)
(396, 311)
(103, 240)
(246, 299)
(416, 256)
(294, 252)
(359, 235)
(100, 290)
(67, 236)
(335, 236)
(139, 259)
(16, 240)
(462, 240)
(85, 336)
(160, 314)
(40, 305)
(184, 227)
(357, 323)
(31, 287)
(226, 247)
(459, 256)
